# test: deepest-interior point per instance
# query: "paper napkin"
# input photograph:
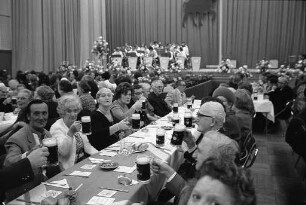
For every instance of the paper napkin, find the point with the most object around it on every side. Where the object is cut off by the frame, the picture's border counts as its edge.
(108, 153)
(98, 161)
(79, 173)
(107, 193)
(125, 169)
(95, 200)
(60, 183)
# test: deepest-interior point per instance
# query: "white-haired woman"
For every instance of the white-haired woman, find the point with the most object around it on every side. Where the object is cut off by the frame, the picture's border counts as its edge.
(73, 146)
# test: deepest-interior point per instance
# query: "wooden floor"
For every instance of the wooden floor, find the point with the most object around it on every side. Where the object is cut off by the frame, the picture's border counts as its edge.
(276, 179)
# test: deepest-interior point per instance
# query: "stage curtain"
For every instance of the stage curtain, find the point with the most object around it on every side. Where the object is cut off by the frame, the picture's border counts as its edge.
(44, 34)
(257, 29)
(93, 25)
(144, 21)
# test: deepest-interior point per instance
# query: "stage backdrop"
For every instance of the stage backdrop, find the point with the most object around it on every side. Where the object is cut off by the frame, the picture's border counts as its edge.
(144, 21)
(44, 33)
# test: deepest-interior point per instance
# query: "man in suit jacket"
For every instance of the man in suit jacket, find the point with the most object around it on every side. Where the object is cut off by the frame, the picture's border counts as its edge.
(22, 171)
(213, 144)
(27, 139)
(161, 108)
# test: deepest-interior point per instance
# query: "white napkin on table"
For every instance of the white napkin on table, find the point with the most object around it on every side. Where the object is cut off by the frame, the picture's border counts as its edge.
(97, 160)
(60, 183)
(125, 169)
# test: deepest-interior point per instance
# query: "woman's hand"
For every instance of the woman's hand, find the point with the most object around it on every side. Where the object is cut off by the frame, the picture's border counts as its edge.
(123, 125)
(137, 105)
(75, 127)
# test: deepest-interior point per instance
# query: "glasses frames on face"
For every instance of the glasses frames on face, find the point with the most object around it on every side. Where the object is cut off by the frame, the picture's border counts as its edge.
(201, 115)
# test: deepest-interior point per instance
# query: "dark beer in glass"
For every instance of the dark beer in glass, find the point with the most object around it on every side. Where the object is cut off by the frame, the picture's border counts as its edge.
(143, 168)
(175, 119)
(175, 108)
(188, 119)
(51, 144)
(136, 121)
(160, 137)
(86, 125)
(178, 135)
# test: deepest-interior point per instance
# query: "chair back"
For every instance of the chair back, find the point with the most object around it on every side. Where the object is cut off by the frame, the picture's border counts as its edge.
(195, 63)
(132, 63)
(131, 54)
(181, 62)
(274, 64)
(147, 61)
(234, 63)
(251, 150)
(164, 61)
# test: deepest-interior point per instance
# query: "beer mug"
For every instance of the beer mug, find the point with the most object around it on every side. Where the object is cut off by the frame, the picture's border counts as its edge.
(86, 125)
(178, 135)
(160, 137)
(135, 121)
(144, 168)
(188, 119)
(175, 119)
(189, 103)
(175, 108)
(51, 144)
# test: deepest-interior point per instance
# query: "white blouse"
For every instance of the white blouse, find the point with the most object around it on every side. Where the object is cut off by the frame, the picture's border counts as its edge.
(67, 144)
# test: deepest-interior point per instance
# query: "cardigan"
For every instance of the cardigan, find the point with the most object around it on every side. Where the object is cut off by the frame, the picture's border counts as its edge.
(100, 137)
(67, 144)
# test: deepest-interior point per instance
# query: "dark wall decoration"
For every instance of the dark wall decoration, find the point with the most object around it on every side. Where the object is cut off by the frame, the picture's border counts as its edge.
(198, 8)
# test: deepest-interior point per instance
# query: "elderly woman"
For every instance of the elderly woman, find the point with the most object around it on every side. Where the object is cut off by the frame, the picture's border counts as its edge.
(88, 102)
(244, 110)
(122, 98)
(104, 127)
(221, 183)
(46, 94)
(73, 146)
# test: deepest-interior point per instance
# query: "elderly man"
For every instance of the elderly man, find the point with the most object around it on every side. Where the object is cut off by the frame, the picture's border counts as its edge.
(155, 98)
(282, 94)
(213, 144)
(27, 139)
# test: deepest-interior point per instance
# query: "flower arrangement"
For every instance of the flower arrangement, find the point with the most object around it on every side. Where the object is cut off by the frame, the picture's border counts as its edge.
(65, 66)
(243, 70)
(225, 66)
(263, 65)
(100, 47)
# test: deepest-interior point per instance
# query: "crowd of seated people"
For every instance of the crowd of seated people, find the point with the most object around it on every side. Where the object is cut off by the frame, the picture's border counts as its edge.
(52, 106)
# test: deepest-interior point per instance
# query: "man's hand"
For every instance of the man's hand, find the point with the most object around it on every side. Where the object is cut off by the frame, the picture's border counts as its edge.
(189, 139)
(38, 157)
(160, 167)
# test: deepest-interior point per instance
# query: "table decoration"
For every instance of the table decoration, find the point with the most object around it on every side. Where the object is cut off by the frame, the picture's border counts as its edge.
(108, 165)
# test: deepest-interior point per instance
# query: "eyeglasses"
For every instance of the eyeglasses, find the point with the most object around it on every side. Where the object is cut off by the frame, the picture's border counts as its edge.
(201, 115)
(138, 93)
(184, 85)
(108, 95)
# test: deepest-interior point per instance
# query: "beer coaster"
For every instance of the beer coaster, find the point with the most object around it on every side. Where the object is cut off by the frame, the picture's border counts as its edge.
(109, 165)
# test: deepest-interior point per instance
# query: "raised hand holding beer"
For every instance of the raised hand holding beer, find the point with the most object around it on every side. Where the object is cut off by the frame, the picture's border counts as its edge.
(38, 157)
(160, 167)
(75, 127)
(189, 139)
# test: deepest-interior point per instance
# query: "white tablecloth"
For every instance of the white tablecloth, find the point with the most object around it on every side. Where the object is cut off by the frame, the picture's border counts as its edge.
(265, 106)
(137, 193)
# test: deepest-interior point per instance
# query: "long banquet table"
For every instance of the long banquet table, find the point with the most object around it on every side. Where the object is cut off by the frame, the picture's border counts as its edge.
(100, 178)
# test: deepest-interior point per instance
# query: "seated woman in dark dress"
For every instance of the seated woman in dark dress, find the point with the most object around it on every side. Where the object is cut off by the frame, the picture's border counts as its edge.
(104, 129)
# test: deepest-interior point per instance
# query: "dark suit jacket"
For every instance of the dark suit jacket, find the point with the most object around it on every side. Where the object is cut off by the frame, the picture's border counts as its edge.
(15, 175)
(19, 143)
(279, 98)
(160, 106)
